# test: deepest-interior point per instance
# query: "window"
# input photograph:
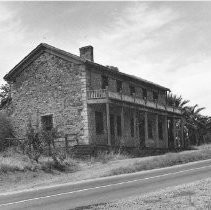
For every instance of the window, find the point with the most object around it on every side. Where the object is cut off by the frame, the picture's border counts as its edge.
(112, 126)
(118, 85)
(160, 129)
(132, 90)
(155, 95)
(150, 135)
(119, 126)
(99, 122)
(104, 82)
(132, 127)
(47, 122)
(144, 93)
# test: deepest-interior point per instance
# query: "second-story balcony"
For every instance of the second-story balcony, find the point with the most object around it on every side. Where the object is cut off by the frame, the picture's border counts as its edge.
(95, 95)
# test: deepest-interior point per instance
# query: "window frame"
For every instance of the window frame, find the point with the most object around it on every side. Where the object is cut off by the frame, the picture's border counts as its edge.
(99, 123)
(150, 129)
(155, 93)
(112, 124)
(132, 90)
(118, 86)
(160, 129)
(132, 127)
(119, 125)
(46, 123)
(144, 92)
(104, 81)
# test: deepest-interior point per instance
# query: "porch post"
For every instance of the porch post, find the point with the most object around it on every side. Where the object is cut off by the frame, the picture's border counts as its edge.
(182, 133)
(145, 127)
(156, 131)
(134, 122)
(122, 126)
(174, 132)
(166, 131)
(108, 123)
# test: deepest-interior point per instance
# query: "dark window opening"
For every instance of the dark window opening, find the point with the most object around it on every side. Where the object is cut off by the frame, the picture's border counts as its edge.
(132, 90)
(112, 128)
(119, 126)
(150, 135)
(160, 129)
(104, 82)
(99, 122)
(144, 93)
(119, 86)
(155, 95)
(47, 122)
(132, 127)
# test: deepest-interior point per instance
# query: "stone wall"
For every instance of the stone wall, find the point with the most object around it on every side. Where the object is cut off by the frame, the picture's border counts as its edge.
(95, 83)
(51, 85)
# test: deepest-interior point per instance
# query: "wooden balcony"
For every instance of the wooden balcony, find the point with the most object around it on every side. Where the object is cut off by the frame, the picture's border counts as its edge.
(93, 96)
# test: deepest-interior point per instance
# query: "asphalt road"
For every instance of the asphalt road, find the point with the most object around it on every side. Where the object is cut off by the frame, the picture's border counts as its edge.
(85, 193)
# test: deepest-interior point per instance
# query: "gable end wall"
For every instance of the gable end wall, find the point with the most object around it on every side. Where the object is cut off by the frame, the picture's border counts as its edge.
(51, 85)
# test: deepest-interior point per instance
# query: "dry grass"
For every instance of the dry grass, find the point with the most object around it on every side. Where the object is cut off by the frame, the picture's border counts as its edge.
(17, 171)
(105, 157)
(12, 160)
(169, 159)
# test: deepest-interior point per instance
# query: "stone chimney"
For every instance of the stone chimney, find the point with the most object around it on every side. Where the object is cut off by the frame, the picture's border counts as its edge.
(87, 53)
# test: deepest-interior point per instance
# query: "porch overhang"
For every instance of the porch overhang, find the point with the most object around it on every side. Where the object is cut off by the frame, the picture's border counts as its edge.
(105, 96)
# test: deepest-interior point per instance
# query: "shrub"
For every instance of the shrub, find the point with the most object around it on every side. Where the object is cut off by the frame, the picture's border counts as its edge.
(5, 130)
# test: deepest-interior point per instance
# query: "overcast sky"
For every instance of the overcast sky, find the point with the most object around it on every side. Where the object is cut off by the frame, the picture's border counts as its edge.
(167, 43)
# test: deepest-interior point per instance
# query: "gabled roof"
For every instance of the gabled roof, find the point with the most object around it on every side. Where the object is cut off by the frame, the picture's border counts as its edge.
(139, 79)
(43, 47)
(40, 48)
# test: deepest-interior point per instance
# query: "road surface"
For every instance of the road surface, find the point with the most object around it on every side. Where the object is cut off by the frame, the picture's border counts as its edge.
(72, 195)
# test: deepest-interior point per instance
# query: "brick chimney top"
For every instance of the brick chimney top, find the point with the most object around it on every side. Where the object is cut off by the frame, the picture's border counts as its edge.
(87, 52)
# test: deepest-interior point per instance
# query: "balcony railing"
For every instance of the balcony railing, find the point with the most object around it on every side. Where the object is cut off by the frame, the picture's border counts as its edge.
(103, 94)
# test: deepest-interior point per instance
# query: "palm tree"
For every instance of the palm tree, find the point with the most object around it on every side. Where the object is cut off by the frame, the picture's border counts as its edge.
(176, 101)
(195, 123)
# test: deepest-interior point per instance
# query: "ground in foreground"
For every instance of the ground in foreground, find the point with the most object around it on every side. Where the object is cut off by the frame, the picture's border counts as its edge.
(193, 196)
(17, 172)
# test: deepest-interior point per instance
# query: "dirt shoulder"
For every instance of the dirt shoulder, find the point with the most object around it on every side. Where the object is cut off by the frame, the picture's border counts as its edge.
(193, 196)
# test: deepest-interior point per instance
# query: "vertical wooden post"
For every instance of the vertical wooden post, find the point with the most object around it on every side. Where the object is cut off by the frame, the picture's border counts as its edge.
(134, 125)
(165, 131)
(174, 132)
(122, 125)
(108, 117)
(182, 133)
(156, 131)
(145, 127)
(66, 144)
(108, 123)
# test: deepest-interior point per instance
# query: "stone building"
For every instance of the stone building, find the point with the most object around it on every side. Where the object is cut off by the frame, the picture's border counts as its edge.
(54, 88)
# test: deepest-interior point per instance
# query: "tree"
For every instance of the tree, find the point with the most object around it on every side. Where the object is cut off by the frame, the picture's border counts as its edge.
(176, 101)
(195, 123)
(5, 97)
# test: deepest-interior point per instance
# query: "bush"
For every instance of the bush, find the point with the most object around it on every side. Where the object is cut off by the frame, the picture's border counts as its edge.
(12, 160)
(5, 130)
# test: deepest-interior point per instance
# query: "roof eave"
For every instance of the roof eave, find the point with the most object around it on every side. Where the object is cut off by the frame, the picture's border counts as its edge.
(127, 75)
(41, 47)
